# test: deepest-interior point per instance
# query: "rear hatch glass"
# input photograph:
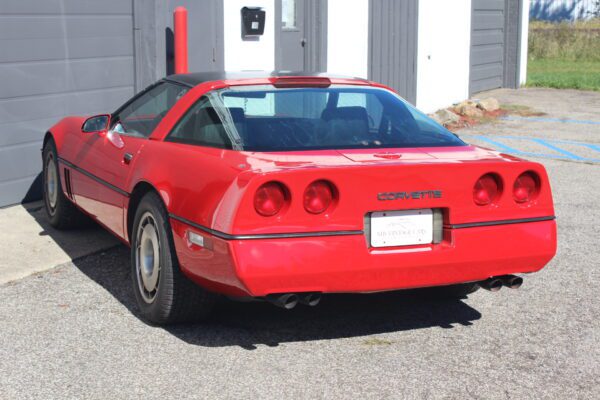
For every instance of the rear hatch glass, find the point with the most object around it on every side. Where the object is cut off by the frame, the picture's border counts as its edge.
(265, 118)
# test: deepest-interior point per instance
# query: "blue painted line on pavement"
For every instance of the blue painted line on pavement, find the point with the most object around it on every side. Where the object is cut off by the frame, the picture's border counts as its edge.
(560, 141)
(542, 119)
(549, 143)
(566, 153)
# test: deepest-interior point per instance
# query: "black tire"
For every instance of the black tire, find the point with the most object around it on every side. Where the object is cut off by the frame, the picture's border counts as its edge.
(61, 212)
(164, 296)
(459, 291)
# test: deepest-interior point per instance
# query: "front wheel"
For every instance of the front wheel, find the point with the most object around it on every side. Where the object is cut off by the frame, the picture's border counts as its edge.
(164, 295)
(61, 212)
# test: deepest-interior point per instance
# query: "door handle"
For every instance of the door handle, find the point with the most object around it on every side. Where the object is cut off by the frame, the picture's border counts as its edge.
(303, 42)
(127, 157)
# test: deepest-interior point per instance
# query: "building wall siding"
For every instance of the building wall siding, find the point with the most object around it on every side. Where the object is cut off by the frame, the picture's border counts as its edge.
(393, 45)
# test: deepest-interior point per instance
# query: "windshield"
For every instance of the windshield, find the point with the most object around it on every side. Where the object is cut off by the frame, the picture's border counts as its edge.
(264, 118)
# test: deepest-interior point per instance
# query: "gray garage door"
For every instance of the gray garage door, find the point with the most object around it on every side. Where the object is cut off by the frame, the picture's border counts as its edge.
(487, 45)
(494, 44)
(393, 45)
(57, 58)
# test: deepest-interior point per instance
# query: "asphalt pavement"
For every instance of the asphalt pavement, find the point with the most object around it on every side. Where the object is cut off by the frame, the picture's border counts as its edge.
(74, 331)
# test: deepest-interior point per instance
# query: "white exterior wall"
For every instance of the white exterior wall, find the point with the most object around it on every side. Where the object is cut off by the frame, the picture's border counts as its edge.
(443, 53)
(247, 55)
(348, 37)
(524, 34)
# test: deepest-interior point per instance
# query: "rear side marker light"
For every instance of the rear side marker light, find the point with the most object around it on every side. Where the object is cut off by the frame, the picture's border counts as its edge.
(487, 189)
(199, 240)
(270, 198)
(526, 187)
(318, 197)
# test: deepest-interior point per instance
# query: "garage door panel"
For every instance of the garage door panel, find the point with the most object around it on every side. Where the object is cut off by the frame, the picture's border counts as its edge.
(479, 5)
(20, 50)
(64, 76)
(487, 71)
(486, 84)
(25, 132)
(61, 104)
(489, 20)
(491, 36)
(487, 54)
(11, 160)
(42, 27)
(66, 7)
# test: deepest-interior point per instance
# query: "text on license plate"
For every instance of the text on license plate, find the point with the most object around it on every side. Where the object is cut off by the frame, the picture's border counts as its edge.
(401, 228)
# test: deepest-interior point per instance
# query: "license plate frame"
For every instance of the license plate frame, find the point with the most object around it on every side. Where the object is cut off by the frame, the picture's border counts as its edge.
(401, 228)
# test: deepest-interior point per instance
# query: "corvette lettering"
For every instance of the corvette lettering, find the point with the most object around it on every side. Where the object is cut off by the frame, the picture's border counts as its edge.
(417, 195)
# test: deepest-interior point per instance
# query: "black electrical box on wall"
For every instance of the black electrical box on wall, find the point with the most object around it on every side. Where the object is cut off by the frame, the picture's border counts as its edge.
(253, 21)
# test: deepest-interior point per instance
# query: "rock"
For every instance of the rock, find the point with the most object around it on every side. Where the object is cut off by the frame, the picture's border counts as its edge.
(489, 104)
(466, 103)
(445, 117)
(469, 110)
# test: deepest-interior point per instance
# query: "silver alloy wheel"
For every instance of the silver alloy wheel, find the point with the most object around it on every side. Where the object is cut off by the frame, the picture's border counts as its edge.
(51, 182)
(147, 258)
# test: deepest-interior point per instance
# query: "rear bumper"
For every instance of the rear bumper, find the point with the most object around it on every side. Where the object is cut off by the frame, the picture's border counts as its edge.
(327, 264)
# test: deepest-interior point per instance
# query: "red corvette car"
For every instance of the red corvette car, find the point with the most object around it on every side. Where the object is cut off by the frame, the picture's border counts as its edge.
(283, 187)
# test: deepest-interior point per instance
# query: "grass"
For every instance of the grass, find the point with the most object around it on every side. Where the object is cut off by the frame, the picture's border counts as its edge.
(563, 74)
(564, 55)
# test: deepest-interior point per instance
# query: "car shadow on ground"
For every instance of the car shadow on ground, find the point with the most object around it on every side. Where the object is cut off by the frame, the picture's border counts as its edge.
(249, 324)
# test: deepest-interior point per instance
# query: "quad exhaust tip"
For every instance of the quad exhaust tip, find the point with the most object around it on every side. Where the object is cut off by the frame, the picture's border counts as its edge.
(495, 283)
(511, 281)
(492, 284)
(310, 299)
(291, 300)
(285, 300)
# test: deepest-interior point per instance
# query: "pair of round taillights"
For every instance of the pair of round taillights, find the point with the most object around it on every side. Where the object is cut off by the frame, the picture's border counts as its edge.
(488, 188)
(272, 197)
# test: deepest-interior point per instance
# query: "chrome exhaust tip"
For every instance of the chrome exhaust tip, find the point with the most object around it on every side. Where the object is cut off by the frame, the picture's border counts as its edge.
(285, 300)
(492, 284)
(310, 299)
(511, 281)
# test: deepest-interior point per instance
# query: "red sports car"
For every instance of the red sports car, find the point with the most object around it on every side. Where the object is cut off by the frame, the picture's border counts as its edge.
(284, 186)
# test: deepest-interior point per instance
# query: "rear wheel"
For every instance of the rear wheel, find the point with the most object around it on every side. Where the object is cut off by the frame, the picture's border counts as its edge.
(164, 295)
(62, 213)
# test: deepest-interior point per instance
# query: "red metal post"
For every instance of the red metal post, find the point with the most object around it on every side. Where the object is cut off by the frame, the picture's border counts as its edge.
(181, 49)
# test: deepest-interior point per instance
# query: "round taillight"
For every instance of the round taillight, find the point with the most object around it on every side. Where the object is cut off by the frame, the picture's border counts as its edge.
(486, 190)
(526, 187)
(269, 199)
(318, 197)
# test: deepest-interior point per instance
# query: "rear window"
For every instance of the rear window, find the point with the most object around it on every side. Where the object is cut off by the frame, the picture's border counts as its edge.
(264, 118)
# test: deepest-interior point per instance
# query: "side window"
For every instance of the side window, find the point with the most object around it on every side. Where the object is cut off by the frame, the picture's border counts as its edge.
(140, 117)
(202, 126)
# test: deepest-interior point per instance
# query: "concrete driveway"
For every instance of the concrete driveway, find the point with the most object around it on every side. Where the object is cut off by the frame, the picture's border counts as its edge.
(73, 331)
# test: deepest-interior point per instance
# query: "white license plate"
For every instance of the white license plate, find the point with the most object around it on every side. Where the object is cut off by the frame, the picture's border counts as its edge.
(401, 228)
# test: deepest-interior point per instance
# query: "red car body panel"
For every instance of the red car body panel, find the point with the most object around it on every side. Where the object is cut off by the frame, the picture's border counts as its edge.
(210, 192)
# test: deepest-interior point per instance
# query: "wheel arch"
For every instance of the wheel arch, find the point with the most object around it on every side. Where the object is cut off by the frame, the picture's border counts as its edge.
(139, 191)
(47, 137)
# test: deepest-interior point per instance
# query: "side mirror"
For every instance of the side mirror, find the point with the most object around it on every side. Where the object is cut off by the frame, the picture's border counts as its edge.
(97, 123)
